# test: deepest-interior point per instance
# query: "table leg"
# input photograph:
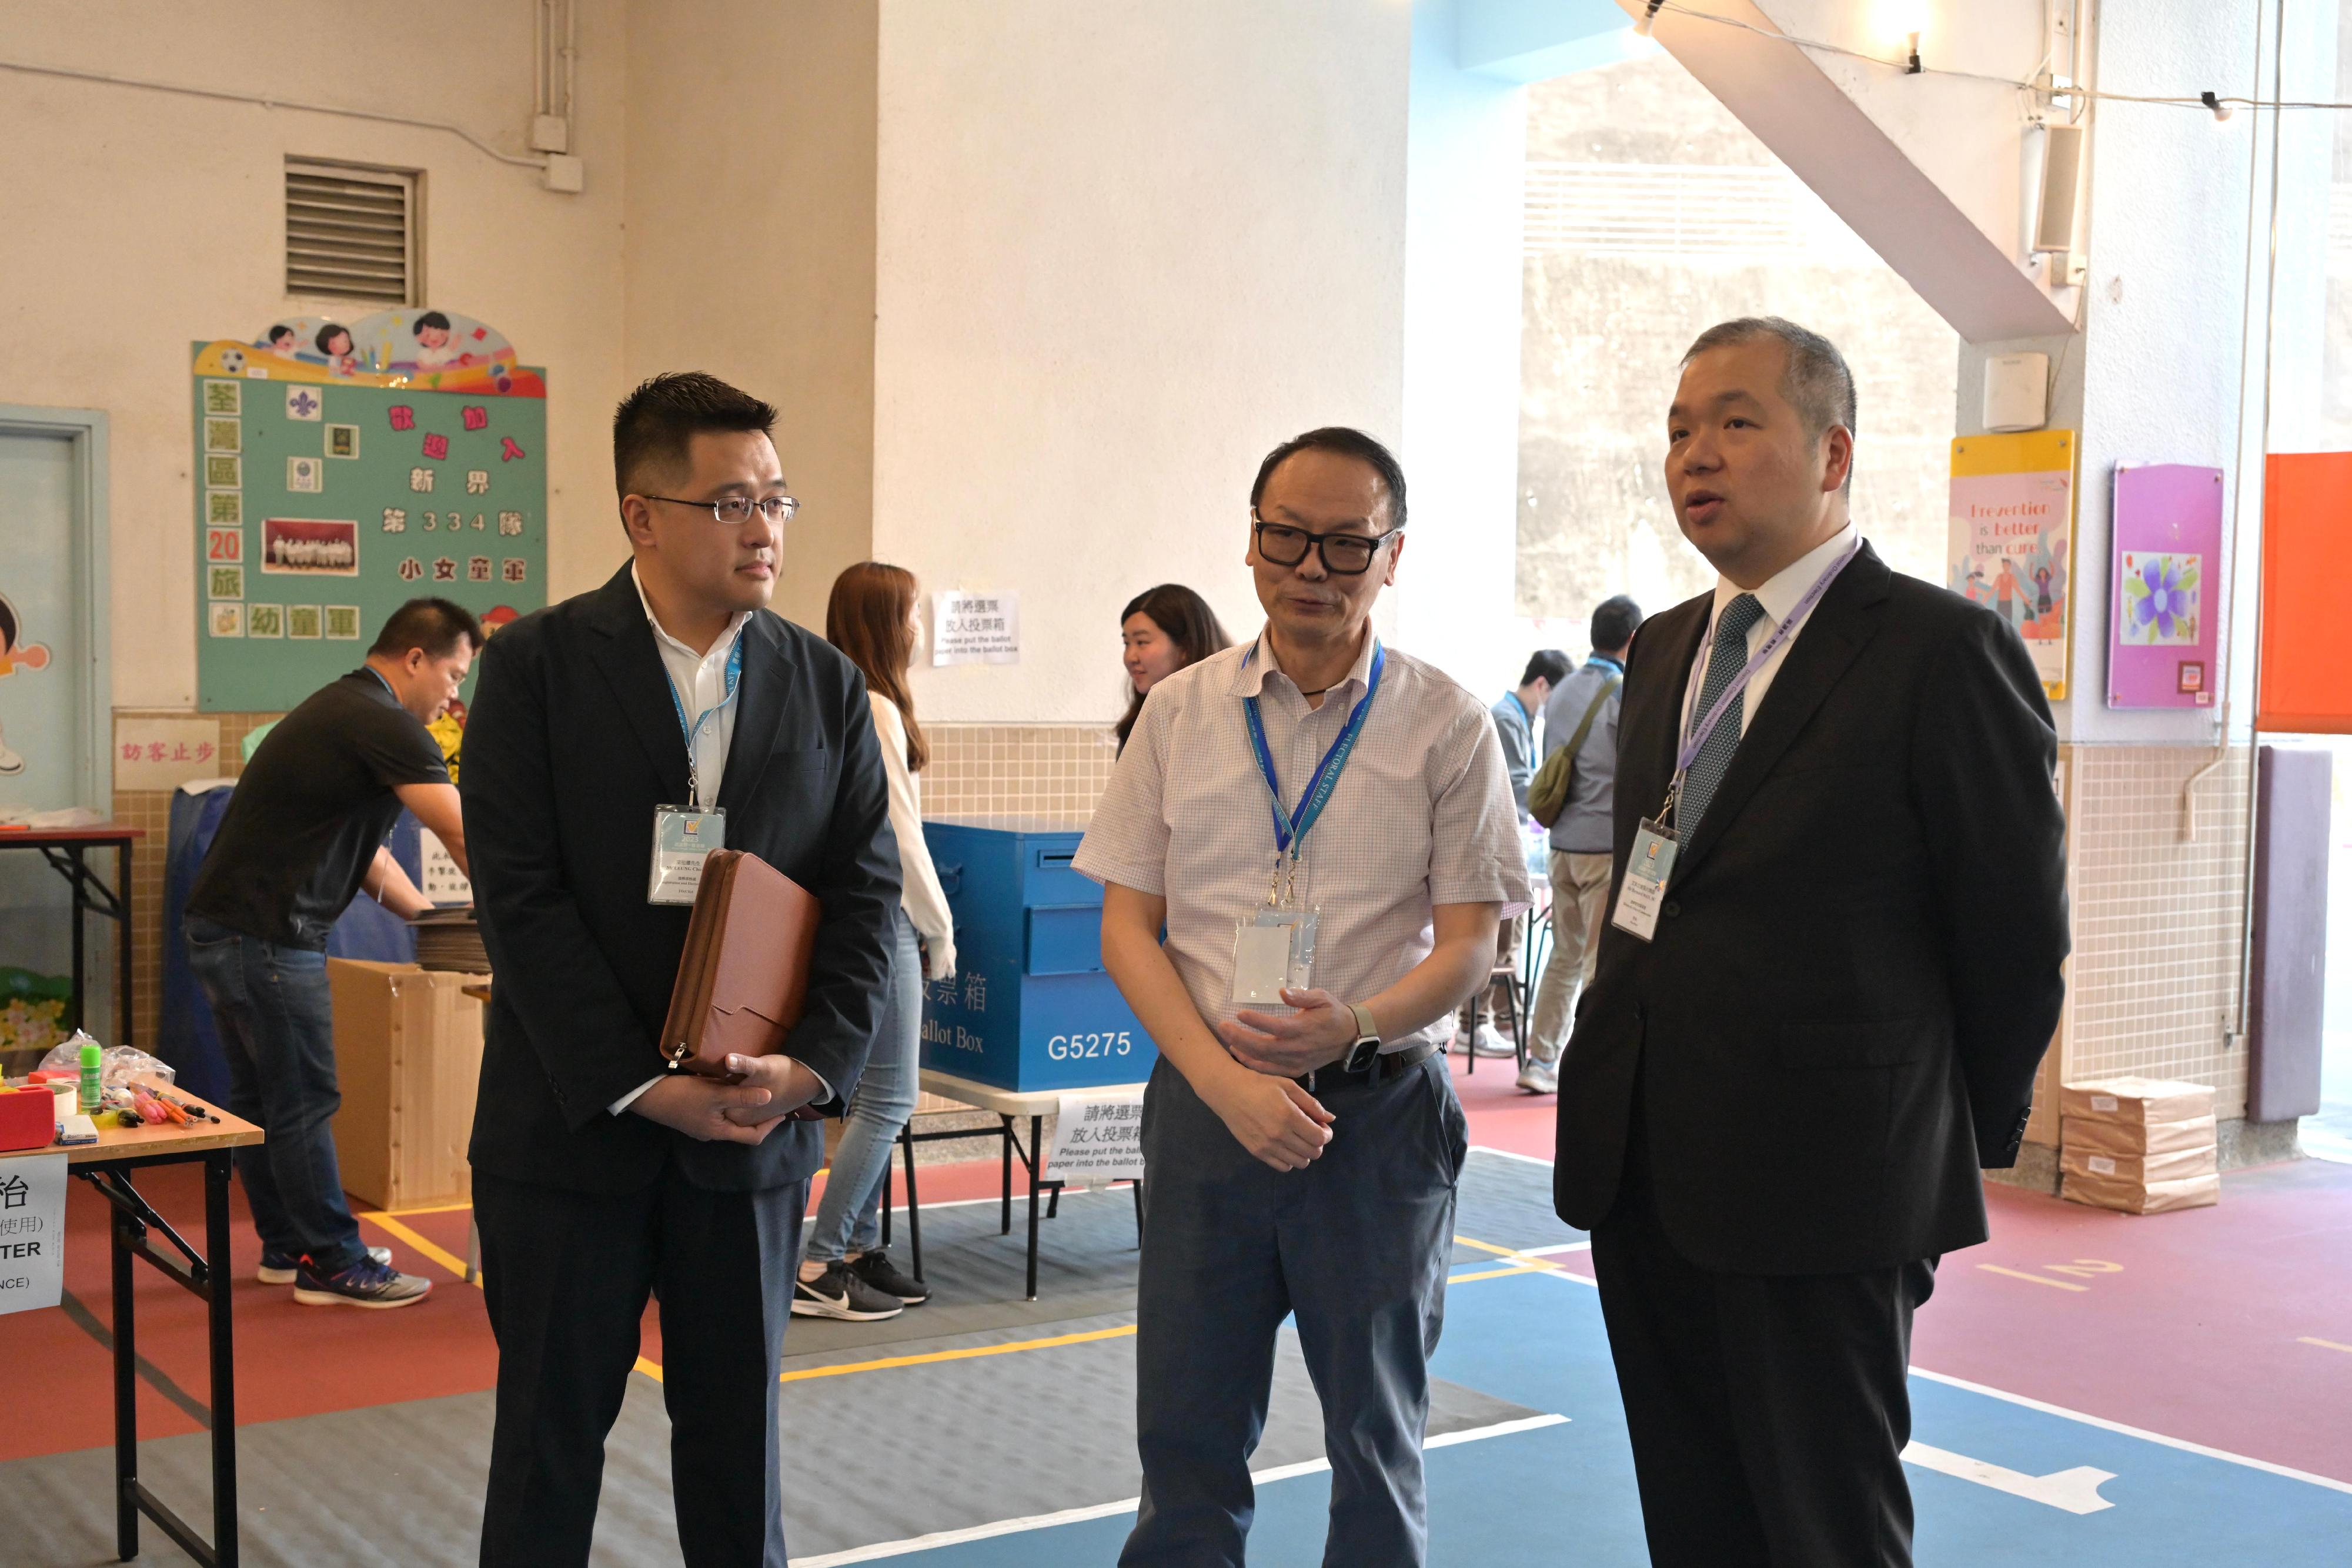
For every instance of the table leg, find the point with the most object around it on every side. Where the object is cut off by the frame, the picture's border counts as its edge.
(217, 1275)
(886, 1204)
(126, 1395)
(128, 1004)
(1037, 1129)
(914, 1211)
(81, 904)
(1004, 1219)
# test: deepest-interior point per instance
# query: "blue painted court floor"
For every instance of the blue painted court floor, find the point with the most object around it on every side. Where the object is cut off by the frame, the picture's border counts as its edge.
(1996, 1481)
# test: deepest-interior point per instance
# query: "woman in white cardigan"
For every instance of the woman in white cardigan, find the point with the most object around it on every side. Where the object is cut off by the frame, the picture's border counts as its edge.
(843, 1271)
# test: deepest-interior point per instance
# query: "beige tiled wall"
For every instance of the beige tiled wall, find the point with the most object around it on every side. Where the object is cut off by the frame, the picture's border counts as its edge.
(1050, 773)
(2159, 917)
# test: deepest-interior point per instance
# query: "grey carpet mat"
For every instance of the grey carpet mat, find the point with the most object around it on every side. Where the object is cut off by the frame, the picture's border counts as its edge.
(889, 1453)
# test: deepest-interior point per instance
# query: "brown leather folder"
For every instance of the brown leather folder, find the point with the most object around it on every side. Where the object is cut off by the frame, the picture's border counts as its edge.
(744, 978)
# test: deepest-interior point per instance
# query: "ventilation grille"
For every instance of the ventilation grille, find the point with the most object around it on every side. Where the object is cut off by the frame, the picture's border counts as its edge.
(1732, 214)
(351, 234)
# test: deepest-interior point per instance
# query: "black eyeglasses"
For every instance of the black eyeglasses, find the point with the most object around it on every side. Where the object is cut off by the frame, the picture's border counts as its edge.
(1344, 554)
(735, 510)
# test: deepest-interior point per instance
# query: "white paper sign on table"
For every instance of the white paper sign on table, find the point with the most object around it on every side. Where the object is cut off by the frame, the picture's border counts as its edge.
(1098, 1138)
(976, 628)
(31, 1233)
(443, 882)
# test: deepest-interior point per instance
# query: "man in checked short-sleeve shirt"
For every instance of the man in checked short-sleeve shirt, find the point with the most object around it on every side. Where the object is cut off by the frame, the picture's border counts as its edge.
(1303, 1139)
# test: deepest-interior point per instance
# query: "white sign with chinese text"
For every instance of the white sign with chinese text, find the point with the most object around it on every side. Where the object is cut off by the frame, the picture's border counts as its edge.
(976, 628)
(1098, 1138)
(32, 1231)
(166, 753)
(443, 882)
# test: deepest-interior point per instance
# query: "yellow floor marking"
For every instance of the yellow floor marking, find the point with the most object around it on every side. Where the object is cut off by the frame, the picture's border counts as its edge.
(2037, 1279)
(1525, 1259)
(650, 1368)
(456, 1265)
(434, 1208)
(965, 1355)
(1498, 1274)
(2324, 1345)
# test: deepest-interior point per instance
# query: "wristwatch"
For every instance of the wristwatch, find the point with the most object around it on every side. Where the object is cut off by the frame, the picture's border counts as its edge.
(1366, 1047)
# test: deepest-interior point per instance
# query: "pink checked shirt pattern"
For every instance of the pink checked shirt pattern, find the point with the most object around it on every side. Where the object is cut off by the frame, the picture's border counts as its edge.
(1422, 816)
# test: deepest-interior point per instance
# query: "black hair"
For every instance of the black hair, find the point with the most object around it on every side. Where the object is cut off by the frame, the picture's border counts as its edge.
(1545, 665)
(1343, 441)
(328, 331)
(281, 330)
(1614, 622)
(1815, 378)
(435, 625)
(10, 628)
(1185, 619)
(430, 319)
(655, 424)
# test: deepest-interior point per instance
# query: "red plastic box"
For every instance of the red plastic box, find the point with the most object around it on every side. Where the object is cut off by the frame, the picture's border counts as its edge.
(28, 1118)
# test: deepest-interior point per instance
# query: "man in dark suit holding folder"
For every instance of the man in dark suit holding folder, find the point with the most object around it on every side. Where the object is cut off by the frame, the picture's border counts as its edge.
(608, 736)
(1829, 973)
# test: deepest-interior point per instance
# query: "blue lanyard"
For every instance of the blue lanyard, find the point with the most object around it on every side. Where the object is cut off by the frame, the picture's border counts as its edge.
(1290, 830)
(1695, 737)
(734, 674)
(1603, 662)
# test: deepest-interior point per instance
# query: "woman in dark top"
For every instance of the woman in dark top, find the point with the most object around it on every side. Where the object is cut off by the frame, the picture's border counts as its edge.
(1162, 629)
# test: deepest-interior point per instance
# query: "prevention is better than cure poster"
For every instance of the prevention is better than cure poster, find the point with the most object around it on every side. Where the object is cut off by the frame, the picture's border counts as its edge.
(345, 469)
(2011, 541)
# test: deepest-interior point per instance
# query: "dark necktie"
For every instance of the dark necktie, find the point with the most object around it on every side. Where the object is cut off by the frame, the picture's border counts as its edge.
(1728, 657)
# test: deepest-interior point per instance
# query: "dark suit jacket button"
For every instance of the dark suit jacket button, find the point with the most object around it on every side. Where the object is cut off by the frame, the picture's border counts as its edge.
(1672, 908)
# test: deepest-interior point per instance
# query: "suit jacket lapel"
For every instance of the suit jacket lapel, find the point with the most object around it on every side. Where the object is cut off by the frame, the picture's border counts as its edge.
(1840, 626)
(641, 688)
(759, 710)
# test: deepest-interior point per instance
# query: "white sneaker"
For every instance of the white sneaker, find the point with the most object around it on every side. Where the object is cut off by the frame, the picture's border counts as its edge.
(1489, 1042)
(1540, 1077)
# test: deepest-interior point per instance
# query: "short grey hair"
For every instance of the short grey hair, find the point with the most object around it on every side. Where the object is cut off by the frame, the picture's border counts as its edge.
(1818, 383)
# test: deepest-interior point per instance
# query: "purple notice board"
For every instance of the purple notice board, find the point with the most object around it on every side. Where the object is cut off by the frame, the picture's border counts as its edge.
(2168, 586)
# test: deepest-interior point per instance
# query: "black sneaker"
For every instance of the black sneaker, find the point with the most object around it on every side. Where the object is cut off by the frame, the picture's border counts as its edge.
(366, 1283)
(877, 1270)
(277, 1269)
(838, 1294)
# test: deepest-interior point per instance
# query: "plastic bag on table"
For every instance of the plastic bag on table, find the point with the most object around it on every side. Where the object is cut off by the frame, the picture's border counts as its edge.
(116, 1065)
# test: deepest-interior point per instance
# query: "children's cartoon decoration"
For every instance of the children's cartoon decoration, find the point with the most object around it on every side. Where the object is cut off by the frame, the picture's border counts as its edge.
(2011, 540)
(345, 468)
(15, 653)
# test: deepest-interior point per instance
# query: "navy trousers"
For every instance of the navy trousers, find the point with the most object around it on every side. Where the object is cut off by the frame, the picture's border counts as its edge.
(1355, 1247)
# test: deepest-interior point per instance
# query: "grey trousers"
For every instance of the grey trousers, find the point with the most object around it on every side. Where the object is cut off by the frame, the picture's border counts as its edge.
(1355, 1247)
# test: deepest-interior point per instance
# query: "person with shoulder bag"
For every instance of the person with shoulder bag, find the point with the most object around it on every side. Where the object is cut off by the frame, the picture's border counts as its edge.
(1572, 795)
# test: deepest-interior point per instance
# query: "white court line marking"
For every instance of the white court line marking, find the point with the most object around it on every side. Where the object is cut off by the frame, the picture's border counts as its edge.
(2076, 1491)
(2143, 1434)
(1556, 1250)
(1129, 1505)
(1510, 1154)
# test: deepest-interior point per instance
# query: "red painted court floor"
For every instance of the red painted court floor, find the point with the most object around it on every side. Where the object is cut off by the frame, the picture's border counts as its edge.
(2230, 1327)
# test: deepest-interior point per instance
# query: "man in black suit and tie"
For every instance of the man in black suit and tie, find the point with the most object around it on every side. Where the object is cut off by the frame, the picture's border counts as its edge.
(1805, 1037)
(598, 1178)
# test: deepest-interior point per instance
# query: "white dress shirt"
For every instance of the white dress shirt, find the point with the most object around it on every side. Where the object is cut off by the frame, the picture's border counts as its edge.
(1422, 816)
(925, 901)
(699, 683)
(1778, 597)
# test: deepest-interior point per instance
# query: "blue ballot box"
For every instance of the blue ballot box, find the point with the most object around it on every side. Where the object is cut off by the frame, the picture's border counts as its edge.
(1030, 1007)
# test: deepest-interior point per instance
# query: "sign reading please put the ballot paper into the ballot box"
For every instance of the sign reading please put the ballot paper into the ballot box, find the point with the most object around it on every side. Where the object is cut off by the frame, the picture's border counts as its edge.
(1098, 1138)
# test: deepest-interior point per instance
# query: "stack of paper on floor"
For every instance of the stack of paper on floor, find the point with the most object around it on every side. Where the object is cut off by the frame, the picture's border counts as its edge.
(2138, 1145)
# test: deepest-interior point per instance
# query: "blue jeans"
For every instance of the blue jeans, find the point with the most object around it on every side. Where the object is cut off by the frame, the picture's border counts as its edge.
(849, 1215)
(277, 1029)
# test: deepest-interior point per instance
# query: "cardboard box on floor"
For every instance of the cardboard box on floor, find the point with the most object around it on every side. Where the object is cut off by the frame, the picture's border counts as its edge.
(2141, 1197)
(408, 1051)
(2176, 1165)
(2136, 1102)
(2094, 1137)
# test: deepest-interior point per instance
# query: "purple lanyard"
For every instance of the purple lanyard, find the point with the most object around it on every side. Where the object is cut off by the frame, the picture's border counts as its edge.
(1697, 736)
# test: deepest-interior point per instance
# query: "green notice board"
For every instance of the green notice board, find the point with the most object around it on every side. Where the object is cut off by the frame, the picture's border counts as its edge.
(327, 497)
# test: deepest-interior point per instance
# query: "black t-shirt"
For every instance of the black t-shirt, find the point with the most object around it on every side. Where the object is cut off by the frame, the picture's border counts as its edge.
(310, 810)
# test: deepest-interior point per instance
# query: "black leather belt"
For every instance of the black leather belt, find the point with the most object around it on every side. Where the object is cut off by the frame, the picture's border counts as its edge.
(1388, 1065)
